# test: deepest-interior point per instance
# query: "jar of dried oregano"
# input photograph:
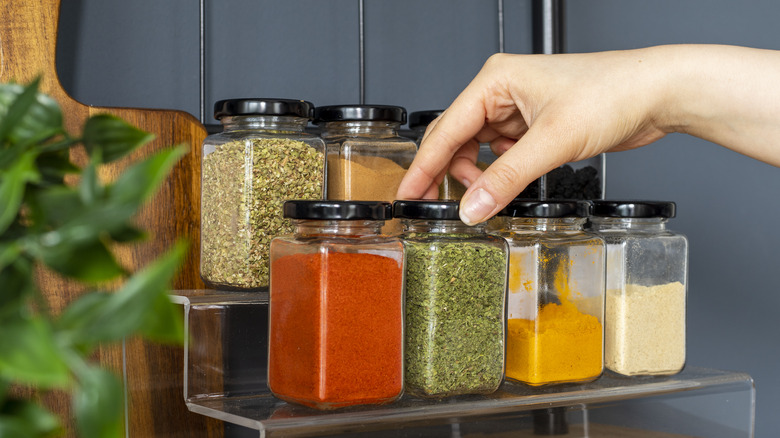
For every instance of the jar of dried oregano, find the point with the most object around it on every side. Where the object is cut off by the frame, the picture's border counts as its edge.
(367, 158)
(260, 159)
(455, 295)
(647, 271)
(555, 299)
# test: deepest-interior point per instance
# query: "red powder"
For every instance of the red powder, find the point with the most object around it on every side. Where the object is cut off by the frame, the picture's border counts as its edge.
(336, 329)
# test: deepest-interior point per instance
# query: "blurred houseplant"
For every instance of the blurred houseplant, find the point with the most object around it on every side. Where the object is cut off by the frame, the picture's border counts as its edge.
(70, 228)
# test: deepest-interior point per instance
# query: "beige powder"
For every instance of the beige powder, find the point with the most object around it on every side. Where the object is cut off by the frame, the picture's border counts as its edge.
(644, 329)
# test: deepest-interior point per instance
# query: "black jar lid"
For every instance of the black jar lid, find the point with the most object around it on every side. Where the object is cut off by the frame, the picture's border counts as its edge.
(443, 210)
(634, 209)
(337, 210)
(419, 119)
(348, 113)
(263, 107)
(533, 208)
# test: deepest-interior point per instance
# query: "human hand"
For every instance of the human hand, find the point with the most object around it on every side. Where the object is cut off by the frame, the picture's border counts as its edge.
(538, 112)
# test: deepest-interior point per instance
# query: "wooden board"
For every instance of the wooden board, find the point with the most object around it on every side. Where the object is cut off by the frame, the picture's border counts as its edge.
(28, 32)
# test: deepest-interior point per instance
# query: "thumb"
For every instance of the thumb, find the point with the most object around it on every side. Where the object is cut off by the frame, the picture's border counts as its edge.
(536, 153)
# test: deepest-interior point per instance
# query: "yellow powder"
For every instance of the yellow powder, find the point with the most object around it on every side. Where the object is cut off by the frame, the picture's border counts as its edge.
(562, 344)
(363, 178)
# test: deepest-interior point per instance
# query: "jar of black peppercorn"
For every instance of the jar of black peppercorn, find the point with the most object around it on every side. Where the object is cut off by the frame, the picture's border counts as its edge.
(455, 294)
(260, 159)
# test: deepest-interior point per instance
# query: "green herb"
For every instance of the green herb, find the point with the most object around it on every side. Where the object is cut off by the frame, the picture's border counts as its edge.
(71, 230)
(454, 315)
(245, 184)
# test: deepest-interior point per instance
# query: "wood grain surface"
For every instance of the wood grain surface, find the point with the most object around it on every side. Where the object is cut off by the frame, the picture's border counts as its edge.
(28, 31)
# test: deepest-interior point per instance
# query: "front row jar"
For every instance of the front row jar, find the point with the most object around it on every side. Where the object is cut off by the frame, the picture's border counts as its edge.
(555, 301)
(455, 295)
(647, 270)
(336, 306)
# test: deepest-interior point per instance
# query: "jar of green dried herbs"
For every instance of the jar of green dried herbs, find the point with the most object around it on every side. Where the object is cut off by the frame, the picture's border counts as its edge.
(455, 293)
(260, 159)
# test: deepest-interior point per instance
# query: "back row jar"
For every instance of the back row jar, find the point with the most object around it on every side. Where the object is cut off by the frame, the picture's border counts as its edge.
(260, 159)
(367, 158)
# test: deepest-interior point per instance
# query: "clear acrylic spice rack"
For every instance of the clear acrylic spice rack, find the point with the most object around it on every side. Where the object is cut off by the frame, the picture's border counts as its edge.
(225, 378)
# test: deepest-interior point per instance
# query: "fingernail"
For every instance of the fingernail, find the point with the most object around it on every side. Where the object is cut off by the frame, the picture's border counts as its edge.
(477, 207)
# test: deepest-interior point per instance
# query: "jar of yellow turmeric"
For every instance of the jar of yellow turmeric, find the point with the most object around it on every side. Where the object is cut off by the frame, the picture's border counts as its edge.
(555, 302)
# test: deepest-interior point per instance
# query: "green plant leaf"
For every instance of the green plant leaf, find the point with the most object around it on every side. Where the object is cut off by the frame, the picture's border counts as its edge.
(55, 165)
(17, 283)
(141, 180)
(110, 138)
(12, 186)
(89, 262)
(22, 416)
(98, 404)
(165, 322)
(26, 114)
(111, 317)
(90, 189)
(30, 354)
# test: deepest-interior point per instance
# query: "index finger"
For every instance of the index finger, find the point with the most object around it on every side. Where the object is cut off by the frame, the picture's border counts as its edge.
(454, 128)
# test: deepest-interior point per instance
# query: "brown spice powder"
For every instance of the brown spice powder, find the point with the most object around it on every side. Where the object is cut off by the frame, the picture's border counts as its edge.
(363, 178)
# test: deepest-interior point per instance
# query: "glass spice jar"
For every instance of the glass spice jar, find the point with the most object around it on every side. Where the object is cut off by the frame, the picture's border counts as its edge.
(450, 188)
(367, 158)
(419, 121)
(455, 295)
(555, 304)
(260, 159)
(336, 306)
(647, 272)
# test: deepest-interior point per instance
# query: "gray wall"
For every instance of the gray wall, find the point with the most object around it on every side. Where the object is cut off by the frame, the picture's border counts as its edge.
(420, 54)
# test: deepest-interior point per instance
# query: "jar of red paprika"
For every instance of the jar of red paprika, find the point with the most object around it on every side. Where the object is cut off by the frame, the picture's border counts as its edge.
(336, 306)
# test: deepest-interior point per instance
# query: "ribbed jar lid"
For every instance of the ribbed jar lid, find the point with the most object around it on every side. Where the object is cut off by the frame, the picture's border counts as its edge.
(634, 209)
(337, 210)
(263, 107)
(346, 113)
(443, 210)
(546, 209)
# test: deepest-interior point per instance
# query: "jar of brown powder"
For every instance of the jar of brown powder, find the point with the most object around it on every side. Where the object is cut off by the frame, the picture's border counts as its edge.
(367, 158)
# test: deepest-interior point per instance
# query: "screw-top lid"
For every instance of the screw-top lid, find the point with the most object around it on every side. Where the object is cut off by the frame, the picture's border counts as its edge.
(337, 210)
(419, 119)
(263, 107)
(445, 210)
(546, 209)
(634, 209)
(346, 113)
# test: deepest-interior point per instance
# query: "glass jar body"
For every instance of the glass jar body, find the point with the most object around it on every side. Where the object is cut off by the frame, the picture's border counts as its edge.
(248, 171)
(647, 271)
(555, 304)
(336, 315)
(451, 188)
(455, 308)
(366, 159)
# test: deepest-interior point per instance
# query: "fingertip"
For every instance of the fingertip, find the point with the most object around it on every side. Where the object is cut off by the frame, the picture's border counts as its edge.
(477, 206)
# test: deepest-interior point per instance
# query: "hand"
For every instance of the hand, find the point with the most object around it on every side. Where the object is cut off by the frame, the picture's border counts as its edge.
(539, 112)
